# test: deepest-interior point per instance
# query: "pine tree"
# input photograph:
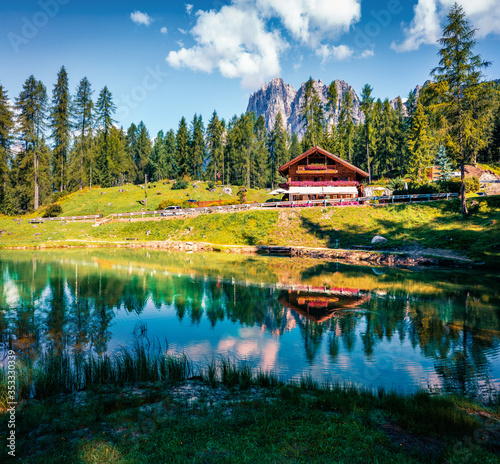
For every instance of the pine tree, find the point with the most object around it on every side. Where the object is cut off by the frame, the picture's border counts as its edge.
(260, 167)
(215, 148)
(332, 102)
(6, 136)
(170, 158)
(419, 144)
(105, 111)
(276, 146)
(157, 157)
(367, 108)
(331, 139)
(400, 137)
(182, 148)
(312, 117)
(386, 140)
(31, 106)
(61, 127)
(458, 76)
(197, 147)
(295, 149)
(444, 164)
(346, 126)
(83, 114)
(119, 163)
(143, 153)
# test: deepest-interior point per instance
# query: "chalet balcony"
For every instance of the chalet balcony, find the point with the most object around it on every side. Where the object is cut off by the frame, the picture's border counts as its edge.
(302, 170)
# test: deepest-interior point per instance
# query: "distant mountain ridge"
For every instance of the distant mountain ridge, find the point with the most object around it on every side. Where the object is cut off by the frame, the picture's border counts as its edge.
(278, 96)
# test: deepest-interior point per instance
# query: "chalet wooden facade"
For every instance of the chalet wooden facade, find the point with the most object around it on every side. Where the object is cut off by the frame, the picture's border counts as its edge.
(318, 174)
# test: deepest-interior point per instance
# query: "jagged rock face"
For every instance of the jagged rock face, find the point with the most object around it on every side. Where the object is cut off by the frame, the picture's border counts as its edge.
(277, 96)
(273, 98)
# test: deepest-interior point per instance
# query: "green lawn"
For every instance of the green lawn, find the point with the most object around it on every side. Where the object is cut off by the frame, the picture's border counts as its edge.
(424, 225)
(111, 200)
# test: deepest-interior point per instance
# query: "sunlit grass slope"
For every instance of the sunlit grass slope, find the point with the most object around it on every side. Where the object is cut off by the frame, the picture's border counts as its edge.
(429, 225)
(111, 200)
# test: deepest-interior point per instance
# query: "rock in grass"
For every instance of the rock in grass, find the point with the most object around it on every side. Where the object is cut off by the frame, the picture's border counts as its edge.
(379, 239)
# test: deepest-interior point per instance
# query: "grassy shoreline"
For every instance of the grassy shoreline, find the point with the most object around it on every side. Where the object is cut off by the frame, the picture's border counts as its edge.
(141, 405)
(436, 225)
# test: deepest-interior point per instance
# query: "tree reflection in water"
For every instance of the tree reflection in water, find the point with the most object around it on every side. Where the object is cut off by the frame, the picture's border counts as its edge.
(71, 304)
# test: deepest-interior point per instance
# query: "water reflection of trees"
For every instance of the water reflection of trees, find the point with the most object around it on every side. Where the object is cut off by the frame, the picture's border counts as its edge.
(73, 307)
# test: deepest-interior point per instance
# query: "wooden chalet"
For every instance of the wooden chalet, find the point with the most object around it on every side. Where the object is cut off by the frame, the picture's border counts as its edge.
(318, 174)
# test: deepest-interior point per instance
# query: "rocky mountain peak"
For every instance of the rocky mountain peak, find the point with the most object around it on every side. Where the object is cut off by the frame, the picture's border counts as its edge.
(279, 97)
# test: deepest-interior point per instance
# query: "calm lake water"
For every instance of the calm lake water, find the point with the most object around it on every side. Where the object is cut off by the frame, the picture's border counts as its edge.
(396, 328)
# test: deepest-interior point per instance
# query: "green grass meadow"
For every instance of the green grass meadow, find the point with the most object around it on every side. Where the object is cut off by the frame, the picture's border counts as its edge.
(428, 225)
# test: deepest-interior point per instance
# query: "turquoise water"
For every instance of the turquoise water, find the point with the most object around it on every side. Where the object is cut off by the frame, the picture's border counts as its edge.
(401, 329)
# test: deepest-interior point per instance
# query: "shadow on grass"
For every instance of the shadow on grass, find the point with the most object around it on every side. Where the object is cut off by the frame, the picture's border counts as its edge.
(477, 235)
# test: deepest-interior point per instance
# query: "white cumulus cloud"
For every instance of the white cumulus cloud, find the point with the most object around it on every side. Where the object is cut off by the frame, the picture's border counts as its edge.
(340, 52)
(310, 21)
(164, 30)
(139, 17)
(367, 53)
(245, 38)
(189, 8)
(235, 42)
(429, 15)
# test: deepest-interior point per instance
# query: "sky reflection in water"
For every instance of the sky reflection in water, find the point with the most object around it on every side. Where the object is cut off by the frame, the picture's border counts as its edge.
(375, 327)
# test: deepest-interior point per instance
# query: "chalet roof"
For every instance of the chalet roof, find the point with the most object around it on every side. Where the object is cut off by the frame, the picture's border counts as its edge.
(283, 169)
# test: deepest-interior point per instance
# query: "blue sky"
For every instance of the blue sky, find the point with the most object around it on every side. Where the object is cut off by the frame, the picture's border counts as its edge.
(164, 60)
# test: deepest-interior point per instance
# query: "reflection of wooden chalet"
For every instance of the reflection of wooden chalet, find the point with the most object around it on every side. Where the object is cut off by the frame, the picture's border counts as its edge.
(318, 174)
(319, 307)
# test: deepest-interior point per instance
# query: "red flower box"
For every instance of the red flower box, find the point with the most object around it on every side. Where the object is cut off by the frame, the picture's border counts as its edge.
(325, 183)
(316, 167)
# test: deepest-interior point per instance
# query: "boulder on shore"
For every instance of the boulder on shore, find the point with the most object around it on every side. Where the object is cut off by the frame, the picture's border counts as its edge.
(379, 239)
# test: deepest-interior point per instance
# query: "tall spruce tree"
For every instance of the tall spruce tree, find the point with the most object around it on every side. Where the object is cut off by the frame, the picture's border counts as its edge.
(367, 108)
(419, 144)
(6, 136)
(295, 148)
(60, 122)
(400, 137)
(197, 147)
(182, 149)
(31, 106)
(104, 118)
(458, 77)
(143, 153)
(312, 116)
(260, 167)
(277, 148)
(170, 162)
(332, 102)
(386, 140)
(83, 114)
(346, 125)
(158, 157)
(215, 148)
